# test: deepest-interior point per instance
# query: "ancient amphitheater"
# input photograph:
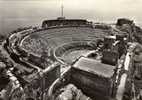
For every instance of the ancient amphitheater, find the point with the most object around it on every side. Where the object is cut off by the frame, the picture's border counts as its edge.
(39, 58)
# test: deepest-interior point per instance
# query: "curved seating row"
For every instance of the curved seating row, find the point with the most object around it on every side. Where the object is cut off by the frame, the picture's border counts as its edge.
(51, 38)
(80, 47)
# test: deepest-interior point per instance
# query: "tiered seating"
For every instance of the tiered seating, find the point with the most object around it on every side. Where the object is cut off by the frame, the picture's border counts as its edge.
(74, 33)
(70, 52)
(34, 45)
(58, 36)
(77, 31)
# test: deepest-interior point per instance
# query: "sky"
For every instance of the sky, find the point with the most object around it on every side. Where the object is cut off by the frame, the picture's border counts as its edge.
(18, 13)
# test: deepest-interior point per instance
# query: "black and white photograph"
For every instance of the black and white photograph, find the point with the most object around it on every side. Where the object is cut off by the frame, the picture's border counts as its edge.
(70, 50)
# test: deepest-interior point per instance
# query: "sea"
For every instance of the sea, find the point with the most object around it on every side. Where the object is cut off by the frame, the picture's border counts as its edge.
(8, 25)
